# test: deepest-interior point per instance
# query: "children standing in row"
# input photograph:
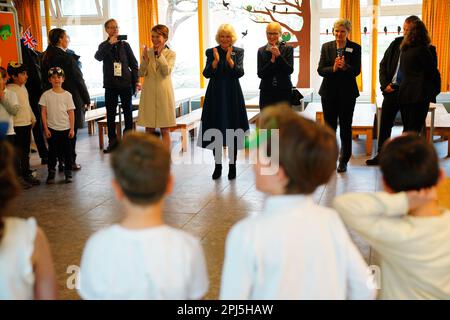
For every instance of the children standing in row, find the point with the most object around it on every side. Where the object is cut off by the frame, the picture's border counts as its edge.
(58, 120)
(9, 107)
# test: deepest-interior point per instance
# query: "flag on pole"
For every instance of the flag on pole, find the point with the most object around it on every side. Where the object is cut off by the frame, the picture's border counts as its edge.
(28, 40)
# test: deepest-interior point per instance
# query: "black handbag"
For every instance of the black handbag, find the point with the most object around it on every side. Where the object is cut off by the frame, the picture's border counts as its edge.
(296, 97)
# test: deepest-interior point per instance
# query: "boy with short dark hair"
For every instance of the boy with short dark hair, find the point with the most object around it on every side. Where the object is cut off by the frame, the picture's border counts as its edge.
(141, 257)
(58, 120)
(24, 121)
(404, 225)
(295, 249)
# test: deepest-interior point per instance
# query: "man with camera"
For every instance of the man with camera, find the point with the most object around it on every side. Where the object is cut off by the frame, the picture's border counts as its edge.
(120, 78)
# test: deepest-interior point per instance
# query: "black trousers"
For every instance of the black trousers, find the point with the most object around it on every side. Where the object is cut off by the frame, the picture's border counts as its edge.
(414, 115)
(38, 132)
(271, 97)
(22, 142)
(60, 142)
(342, 110)
(389, 110)
(111, 100)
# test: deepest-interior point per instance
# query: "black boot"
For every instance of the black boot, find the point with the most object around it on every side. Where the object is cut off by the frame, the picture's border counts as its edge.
(217, 172)
(232, 172)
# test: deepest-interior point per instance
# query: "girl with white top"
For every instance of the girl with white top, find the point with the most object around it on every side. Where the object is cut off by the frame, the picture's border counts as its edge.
(26, 267)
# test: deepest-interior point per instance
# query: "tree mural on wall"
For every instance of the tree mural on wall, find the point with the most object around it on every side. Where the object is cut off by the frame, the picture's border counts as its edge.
(185, 9)
(281, 11)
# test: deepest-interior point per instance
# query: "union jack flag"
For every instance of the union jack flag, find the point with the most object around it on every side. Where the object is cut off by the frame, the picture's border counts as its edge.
(28, 39)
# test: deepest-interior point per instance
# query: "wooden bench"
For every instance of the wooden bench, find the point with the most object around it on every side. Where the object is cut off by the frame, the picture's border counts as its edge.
(92, 115)
(363, 118)
(441, 126)
(103, 125)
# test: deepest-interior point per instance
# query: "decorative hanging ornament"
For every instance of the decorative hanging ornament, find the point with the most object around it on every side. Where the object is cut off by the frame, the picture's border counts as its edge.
(286, 36)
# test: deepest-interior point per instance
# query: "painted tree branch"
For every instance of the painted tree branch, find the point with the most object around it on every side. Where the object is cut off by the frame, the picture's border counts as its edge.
(268, 13)
(287, 3)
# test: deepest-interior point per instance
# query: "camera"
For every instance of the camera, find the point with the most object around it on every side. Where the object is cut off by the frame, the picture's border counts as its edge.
(122, 37)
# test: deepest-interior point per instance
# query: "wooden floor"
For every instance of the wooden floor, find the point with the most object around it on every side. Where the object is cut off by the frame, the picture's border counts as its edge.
(69, 214)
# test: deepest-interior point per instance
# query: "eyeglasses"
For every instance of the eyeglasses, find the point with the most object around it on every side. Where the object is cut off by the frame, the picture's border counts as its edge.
(56, 70)
(272, 33)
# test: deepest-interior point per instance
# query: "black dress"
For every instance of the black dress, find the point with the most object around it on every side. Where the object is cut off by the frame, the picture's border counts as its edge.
(224, 105)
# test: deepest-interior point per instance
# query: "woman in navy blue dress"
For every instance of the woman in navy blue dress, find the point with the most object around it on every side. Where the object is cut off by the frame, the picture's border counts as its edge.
(224, 118)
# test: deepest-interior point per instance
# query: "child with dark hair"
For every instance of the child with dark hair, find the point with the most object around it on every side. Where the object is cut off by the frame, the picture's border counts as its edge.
(295, 249)
(58, 120)
(26, 267)
(24, 121)
(404, 225)
(142, 257)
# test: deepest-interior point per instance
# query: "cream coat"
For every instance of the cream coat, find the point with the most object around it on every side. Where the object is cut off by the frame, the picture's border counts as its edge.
(157, 104)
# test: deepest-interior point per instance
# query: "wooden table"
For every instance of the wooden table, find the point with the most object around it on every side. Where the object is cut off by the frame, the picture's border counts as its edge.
(306, 93)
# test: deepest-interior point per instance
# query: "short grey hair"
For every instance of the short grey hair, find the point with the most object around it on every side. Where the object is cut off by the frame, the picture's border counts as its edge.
(343, 23)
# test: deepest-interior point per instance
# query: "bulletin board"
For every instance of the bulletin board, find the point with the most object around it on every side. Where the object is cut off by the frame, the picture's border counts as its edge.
(9, 47)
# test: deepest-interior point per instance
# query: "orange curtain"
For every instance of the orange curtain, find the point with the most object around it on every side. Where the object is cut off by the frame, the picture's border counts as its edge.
(147, 18)
(435, 15)
(29, 13)
(350, 9)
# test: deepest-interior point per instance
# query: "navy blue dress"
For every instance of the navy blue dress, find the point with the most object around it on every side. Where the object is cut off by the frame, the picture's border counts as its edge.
(224, 105)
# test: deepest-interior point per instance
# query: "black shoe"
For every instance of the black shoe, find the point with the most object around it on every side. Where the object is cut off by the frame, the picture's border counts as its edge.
(61, 168)
(68, 179)
(232, 172)
(44, 161)
(111, 147)
(373, 162)
(342, 167)
(217, 172)
(32, 180)
(25, 185)
(76, 167)
(51, 177)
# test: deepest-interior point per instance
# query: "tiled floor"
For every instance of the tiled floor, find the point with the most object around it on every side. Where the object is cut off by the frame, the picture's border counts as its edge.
(69, 214)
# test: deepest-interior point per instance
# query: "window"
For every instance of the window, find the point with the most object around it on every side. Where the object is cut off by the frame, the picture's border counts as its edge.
(79, 7)
(182, 20)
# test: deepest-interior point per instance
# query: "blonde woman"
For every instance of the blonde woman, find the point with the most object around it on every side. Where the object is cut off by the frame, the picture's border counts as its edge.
(157, 104)
(224, 106)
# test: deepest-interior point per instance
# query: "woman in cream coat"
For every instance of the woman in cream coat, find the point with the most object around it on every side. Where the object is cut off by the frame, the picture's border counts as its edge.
(157, 104)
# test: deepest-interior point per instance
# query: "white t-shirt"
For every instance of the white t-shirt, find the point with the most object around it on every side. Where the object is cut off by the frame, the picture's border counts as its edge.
(25, 116)
(16, 268)
(294, 250)
(156, 263)
(12, 99)
(57, 106)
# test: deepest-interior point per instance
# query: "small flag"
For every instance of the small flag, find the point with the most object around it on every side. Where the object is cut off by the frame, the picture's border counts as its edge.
(28, 40)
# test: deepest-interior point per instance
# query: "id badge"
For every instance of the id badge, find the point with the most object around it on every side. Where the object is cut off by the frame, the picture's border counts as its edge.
(117, 69)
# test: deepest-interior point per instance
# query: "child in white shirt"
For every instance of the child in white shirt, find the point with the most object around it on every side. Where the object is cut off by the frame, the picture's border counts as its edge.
(58, 120)
(9, 107)
(24, 121)
(404, 225)
(26, 266)
(295, 249)
(141, 257)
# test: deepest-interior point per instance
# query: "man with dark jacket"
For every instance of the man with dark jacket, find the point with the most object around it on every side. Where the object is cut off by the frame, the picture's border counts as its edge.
(120, 79)
(390, 79)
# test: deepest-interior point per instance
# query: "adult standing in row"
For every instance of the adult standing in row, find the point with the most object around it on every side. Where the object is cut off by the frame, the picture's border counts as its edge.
(120, 79)
(390, 79)
(56, 56)
(275, 66)
(339, 65)
(157, 104)
(224, 118)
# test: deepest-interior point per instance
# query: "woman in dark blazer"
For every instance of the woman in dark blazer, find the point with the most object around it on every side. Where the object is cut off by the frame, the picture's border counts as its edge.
(420, 80)
(56, 55)
(275, 66)
(339, 65)
(224, 107)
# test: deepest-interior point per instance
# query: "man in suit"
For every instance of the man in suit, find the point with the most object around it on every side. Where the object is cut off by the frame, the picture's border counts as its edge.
(275, 66)
(390, 79)
(339, 65)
